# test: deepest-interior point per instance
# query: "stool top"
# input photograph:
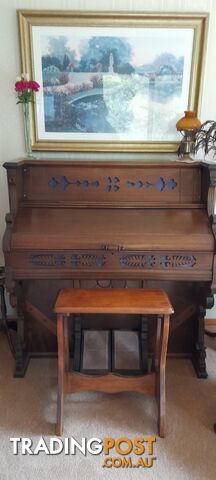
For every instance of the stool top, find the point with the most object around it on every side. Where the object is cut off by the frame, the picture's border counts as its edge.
(113, 300)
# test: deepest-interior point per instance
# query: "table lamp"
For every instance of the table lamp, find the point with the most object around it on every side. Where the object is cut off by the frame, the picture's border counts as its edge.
(187, 125)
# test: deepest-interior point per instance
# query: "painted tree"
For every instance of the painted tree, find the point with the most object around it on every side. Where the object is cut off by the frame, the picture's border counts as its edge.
(97, 52)
(48, 61)
(65, 62)
(166, 59)
(58, 46)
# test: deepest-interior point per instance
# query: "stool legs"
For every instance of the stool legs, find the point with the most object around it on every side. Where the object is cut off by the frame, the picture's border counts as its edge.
(157, 344)
(61, 367)
(163, 327)
(66, 344)
(160, 365)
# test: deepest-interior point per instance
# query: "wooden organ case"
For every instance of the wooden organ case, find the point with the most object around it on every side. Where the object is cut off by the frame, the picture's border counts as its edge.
(110, 224)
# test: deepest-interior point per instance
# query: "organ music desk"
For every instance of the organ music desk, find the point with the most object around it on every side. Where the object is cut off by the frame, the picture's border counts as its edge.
(146, 222)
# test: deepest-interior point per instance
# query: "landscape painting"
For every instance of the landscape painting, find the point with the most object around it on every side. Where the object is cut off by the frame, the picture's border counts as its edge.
(109, 84)
(111, 81)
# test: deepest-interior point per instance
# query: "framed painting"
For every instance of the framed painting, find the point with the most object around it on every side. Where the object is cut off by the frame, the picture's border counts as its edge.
(111, 81)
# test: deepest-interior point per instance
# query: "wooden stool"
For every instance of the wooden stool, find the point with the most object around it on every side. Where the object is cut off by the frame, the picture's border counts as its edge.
(122, 301)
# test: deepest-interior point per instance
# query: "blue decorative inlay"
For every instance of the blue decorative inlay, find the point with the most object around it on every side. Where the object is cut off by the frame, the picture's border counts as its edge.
(64, 183)
(150, 260)
(171, 184)
(160, 184)
(60, 260)
(100, 261)
(163, 261)
(112, 184)
(52, 182)
(129, 184)
(95, 183)
(139, 184)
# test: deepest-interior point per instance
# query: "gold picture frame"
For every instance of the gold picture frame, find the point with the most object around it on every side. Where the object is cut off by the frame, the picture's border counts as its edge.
(103, 92)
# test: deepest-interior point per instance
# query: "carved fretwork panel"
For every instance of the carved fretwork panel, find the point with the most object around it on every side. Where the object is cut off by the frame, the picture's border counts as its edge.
(101, 183)
(178, 261)
(193, 265)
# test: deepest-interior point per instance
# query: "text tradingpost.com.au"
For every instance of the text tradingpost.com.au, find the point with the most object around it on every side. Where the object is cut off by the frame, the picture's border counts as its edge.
(122, 452)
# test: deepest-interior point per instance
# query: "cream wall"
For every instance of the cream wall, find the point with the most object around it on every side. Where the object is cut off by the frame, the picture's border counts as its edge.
(11, 133)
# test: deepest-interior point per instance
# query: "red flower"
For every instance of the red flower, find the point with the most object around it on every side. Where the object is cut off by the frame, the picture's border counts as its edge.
(34, 85)
(25, 89)
(23, 85)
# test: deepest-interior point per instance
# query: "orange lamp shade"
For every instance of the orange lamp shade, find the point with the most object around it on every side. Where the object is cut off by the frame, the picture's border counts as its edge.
(188, 122)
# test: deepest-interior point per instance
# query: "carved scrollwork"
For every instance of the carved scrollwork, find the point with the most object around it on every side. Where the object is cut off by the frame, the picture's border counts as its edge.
(177, 261)
(87, 261)
(47, 260)
(137, 261)
(151, 261)
(99, 260)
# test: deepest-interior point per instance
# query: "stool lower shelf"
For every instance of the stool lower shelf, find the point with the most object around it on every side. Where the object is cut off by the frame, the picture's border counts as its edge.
(110, 383)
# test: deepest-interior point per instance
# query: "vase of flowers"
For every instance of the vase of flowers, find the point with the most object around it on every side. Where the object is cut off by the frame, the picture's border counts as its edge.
(26, 90)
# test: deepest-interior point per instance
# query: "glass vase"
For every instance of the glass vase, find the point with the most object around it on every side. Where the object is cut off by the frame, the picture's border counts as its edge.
(27, 133)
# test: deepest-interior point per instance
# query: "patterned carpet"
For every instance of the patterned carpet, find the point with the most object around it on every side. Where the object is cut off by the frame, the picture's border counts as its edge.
(28, 408)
